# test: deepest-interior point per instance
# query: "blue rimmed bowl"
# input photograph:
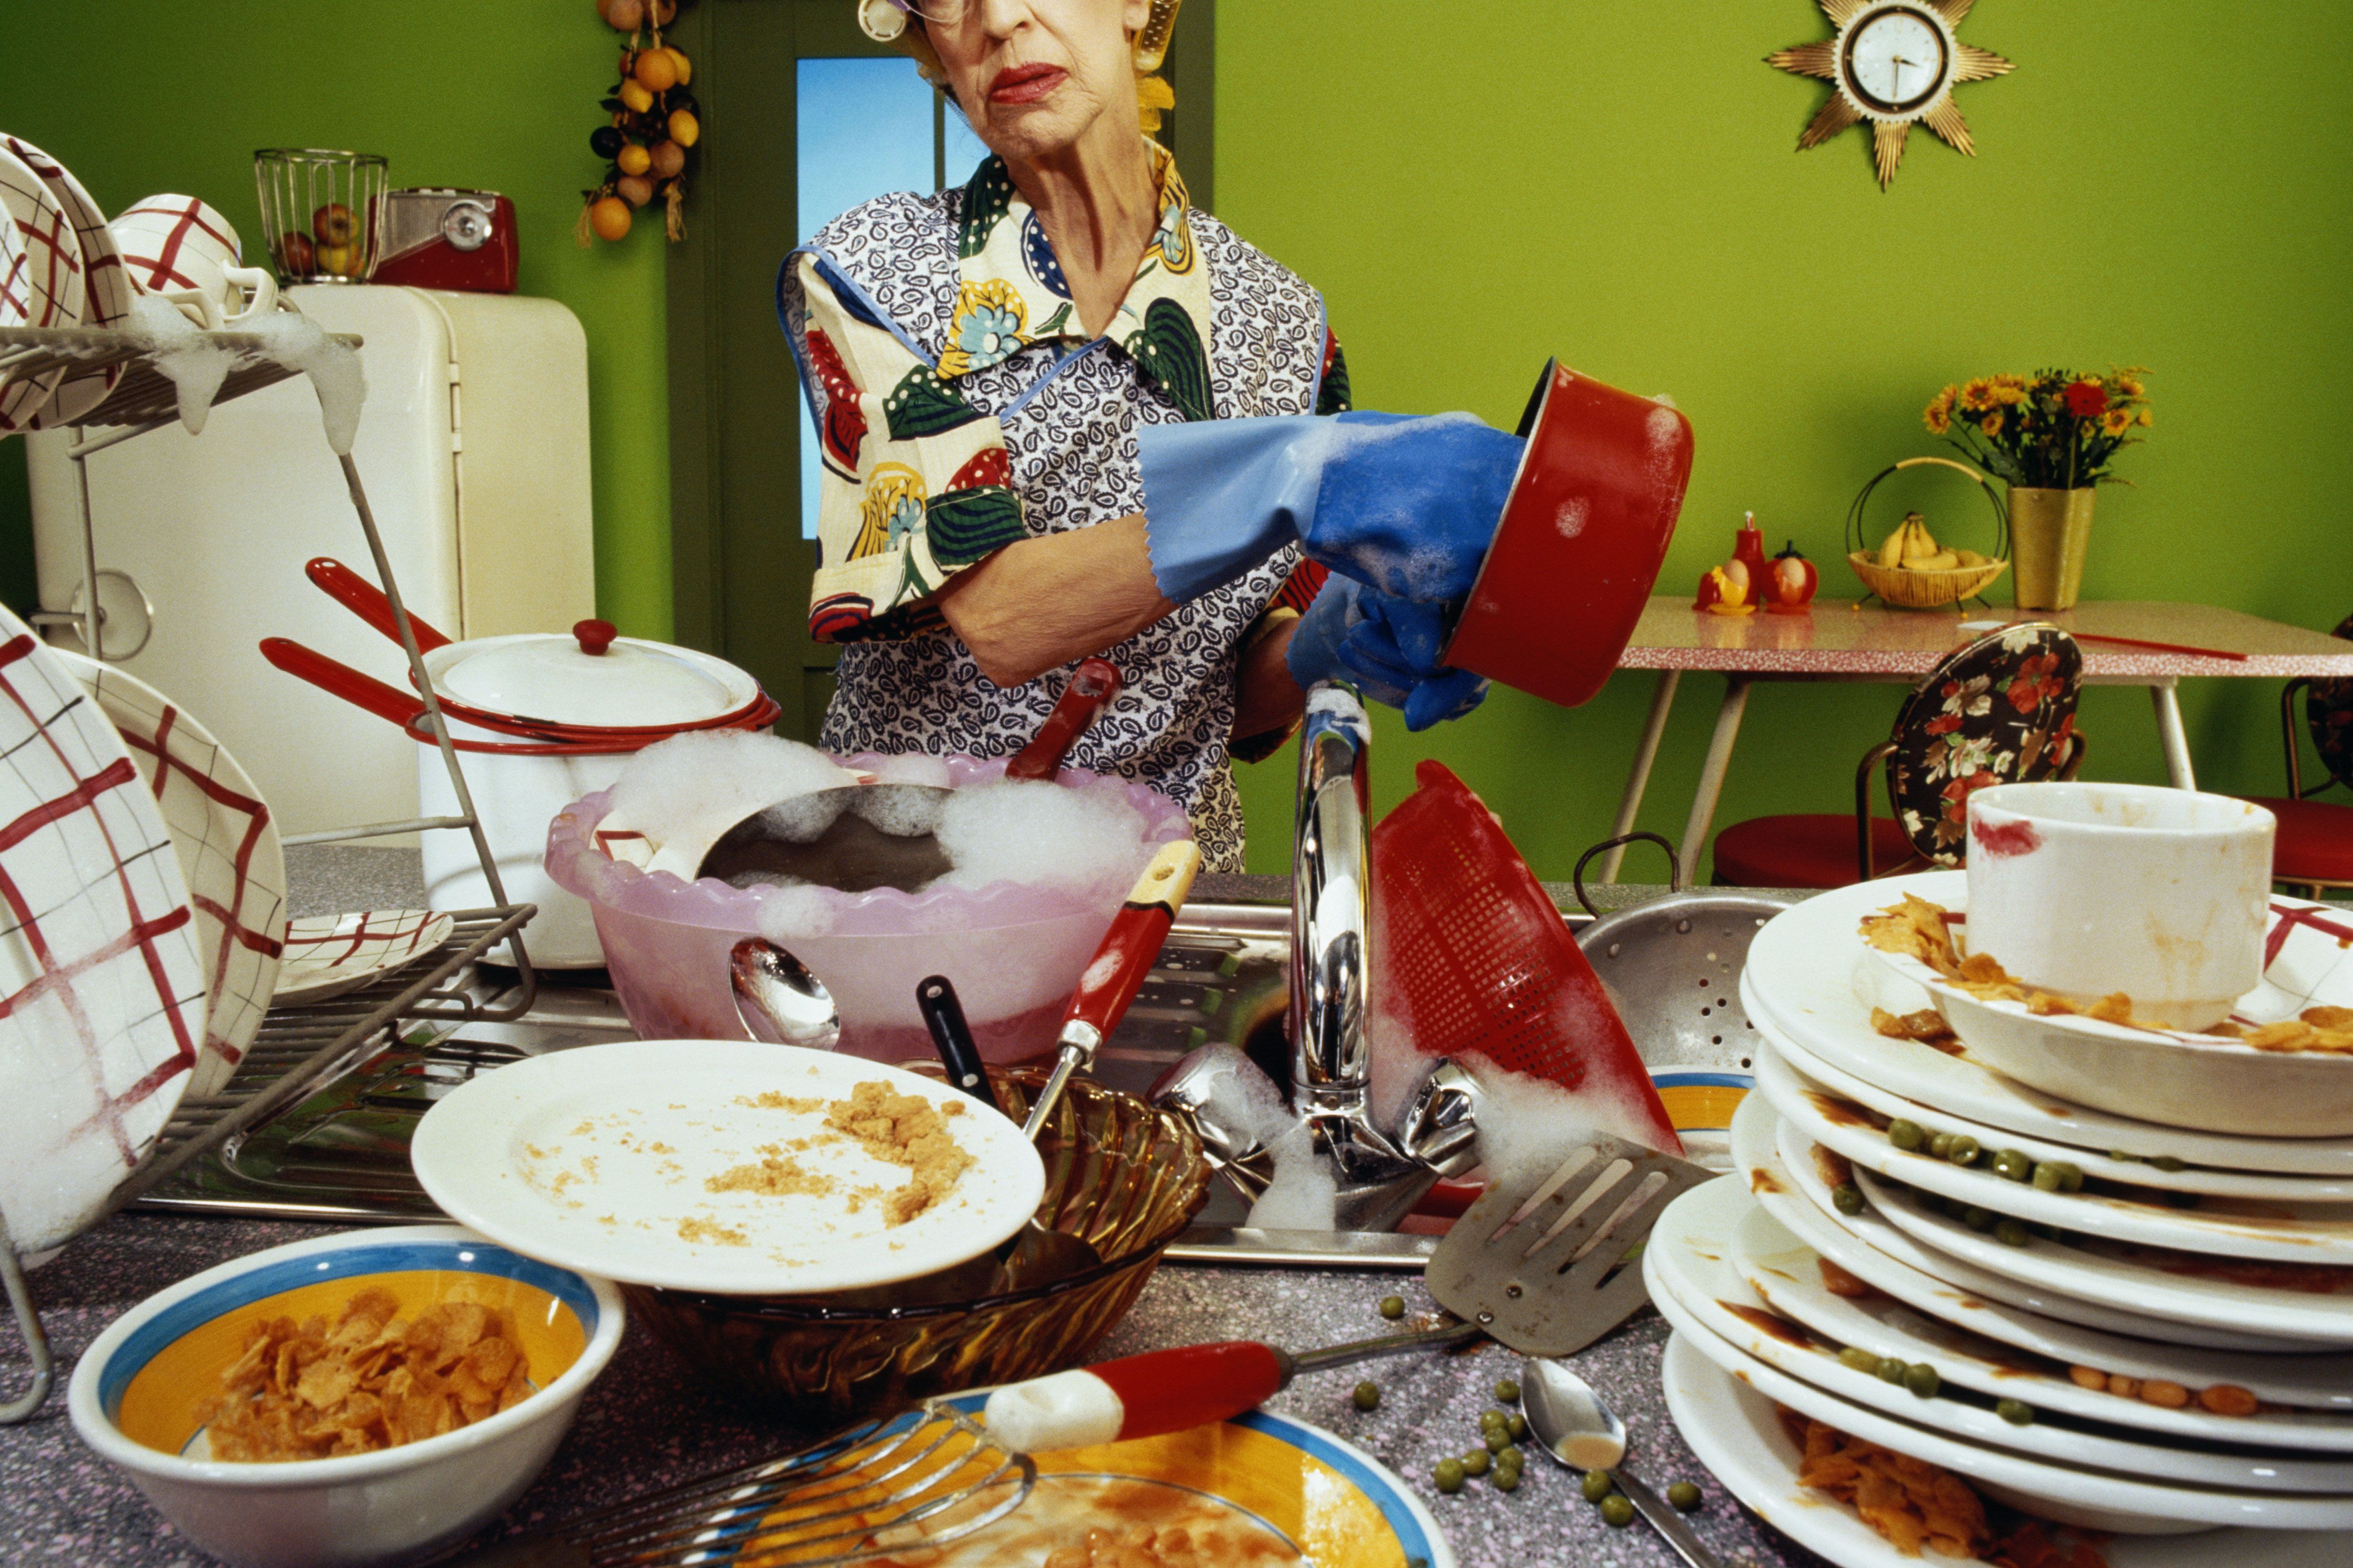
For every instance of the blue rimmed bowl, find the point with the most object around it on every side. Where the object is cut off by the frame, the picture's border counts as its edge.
(136, 1392)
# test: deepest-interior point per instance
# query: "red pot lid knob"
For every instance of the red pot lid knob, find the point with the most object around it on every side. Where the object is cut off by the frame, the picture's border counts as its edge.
(594, 636)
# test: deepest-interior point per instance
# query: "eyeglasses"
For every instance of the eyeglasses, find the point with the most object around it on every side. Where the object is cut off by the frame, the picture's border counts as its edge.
(884, 20)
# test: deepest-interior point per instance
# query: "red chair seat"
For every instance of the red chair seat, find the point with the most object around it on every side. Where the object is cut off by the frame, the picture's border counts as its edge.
(2314, 843)
(1810, 850)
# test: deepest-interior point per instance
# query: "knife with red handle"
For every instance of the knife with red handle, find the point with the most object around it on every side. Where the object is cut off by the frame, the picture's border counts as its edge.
(1116, 973)
(366, 600)
(1092, 686)
(1172, 1390)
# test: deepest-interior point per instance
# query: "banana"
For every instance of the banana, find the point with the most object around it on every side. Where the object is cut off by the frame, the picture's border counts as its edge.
(1891, 549)
(1943, 561)
(1917, 541)
(1971, 558)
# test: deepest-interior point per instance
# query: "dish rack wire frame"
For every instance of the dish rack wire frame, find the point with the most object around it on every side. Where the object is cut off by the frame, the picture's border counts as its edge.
(297, 1049)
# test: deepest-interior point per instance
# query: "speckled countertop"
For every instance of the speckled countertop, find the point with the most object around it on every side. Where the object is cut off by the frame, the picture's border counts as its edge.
(648, 1424)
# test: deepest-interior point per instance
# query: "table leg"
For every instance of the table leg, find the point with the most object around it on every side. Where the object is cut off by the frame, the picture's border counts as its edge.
(1631, 804)
(1712, 772)
(2169, 732)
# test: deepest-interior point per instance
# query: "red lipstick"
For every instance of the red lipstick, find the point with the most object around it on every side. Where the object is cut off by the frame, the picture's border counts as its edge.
(1026, 83)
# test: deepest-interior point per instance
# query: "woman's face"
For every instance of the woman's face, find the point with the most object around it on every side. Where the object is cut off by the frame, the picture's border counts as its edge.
(1032, 75)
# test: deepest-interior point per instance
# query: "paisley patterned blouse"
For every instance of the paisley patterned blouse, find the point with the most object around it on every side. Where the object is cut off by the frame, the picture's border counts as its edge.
(960, 407)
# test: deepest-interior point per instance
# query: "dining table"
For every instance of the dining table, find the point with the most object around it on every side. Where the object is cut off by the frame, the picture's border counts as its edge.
(2153, 644)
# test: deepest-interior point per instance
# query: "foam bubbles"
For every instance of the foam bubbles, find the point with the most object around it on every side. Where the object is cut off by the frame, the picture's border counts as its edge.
(799, 910)
(194, 365)
(299, 343)
(1016, 830)
(1304, 1194)
(687, 790)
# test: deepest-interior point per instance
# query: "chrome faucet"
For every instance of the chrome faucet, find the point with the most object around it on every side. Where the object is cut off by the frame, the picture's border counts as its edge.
(1331, 967)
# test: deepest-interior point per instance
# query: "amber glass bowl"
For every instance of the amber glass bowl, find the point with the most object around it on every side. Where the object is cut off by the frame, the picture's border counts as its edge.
(1127, 1178)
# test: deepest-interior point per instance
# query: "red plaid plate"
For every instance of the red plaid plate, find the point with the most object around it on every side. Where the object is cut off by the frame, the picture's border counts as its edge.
(228, 849)
(47, 272)
(102, 984)
(327, 955)
(107, 286)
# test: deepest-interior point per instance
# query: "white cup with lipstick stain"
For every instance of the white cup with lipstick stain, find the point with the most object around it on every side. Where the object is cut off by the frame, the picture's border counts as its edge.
(2088, 889)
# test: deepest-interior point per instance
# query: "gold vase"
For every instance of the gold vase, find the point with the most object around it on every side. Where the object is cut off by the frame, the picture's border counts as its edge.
(2050, 530)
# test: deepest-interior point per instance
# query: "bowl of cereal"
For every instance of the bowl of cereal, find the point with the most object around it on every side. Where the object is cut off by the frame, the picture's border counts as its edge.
(354, 1399)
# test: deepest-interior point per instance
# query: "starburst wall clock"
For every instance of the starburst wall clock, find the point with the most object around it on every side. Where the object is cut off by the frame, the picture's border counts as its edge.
(1894, 63)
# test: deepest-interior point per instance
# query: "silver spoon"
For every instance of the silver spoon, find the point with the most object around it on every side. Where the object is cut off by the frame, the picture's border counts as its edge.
(1570, 1423)
(778, 1000)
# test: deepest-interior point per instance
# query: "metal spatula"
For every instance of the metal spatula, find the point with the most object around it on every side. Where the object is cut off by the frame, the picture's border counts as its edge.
(1541, 1263)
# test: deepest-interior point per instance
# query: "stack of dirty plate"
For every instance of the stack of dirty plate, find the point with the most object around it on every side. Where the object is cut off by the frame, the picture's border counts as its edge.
(2106, 1322)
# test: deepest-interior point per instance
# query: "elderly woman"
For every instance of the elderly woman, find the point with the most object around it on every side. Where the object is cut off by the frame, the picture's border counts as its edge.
(1063, 413)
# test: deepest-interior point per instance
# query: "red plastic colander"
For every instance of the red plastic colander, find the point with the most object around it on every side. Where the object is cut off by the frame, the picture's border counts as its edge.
(1471, 957)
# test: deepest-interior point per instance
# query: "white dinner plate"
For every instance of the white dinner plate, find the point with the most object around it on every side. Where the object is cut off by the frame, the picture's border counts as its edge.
(1811, 976)
(107, 289)
(228, 850)
(2180, 1286)
(2319, 1381)
(2178, 1077)
(101, 984)
(1689, 1259)
(614, 1160)
(2096, 1164)
(2069, 1494)
(1736, 1433)
(1788, 1274)
(2229, 1228)
(1873, 1232)
(327, 955)
(48, 276)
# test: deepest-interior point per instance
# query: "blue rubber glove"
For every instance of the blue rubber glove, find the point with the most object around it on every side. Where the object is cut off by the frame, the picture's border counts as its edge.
(1406, 505)
(1387, 647)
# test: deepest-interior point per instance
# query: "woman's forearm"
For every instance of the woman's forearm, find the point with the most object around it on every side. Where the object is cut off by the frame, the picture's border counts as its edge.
(1266, 698)
(1037, 604)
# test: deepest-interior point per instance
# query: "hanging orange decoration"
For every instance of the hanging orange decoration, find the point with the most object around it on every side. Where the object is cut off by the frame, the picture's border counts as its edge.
(654, 122)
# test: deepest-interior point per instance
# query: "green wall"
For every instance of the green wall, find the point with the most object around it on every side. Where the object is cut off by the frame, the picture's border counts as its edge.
(147, 97)
(1475, 185)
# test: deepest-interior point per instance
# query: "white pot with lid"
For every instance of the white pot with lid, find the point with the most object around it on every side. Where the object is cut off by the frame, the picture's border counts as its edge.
(565, 713)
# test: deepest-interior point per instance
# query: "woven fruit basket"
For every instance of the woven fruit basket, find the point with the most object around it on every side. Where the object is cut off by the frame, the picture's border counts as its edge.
(1910, 587)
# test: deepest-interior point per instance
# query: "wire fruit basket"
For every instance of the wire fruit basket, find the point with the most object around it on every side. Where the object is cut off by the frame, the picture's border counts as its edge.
(1910, 587)
(322, 212)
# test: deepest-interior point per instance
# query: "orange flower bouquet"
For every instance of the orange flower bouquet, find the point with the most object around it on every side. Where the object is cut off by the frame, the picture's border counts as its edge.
(2055, 430)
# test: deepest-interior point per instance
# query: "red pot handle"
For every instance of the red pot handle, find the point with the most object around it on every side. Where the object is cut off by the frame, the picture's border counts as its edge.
(366, 601)
(1092, 689)
(1136, 1396)
(341, 680)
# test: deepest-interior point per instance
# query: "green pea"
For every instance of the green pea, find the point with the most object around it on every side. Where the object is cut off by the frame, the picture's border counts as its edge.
(1854, 1357)
(1891, 1369)
(1597, 1485)
(1940, 1145)
(1474, 1463)
(2014, 1165)
(2011, 1233)
(1507, 1391)
(2070, 1176)
(1498, 1439)
(1847, 1198)
(1964, 1151)
(1508, 1455)
(1981, 1220)
(2120, 1157)
(1617, 1513)
(1392, 1306)
(1906, 1135)
(1516, 1424)
(1447, 1475)
(2016, 1412)
(2047, 1177)
(1488, 1418)
(2168, 1163)
(1369, 1395)
(1684, 1496)
(1506, 1478)
(1922, 1380)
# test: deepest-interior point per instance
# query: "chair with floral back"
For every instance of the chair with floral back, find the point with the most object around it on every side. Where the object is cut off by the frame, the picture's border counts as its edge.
(2001, 710)
(2313, 846)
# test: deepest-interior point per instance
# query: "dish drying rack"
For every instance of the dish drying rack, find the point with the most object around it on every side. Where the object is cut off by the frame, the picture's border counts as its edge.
(299, 1049)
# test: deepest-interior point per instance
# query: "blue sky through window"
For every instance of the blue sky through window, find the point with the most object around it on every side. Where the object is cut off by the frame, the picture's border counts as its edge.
(865, 127)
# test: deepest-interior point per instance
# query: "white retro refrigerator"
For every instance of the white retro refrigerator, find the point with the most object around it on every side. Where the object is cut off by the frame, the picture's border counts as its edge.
(473, 445)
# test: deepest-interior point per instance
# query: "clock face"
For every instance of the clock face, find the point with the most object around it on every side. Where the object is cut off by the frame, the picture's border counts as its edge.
(1895, 61)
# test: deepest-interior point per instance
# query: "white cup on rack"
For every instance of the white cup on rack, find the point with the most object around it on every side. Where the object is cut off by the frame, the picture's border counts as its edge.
(180, 249)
